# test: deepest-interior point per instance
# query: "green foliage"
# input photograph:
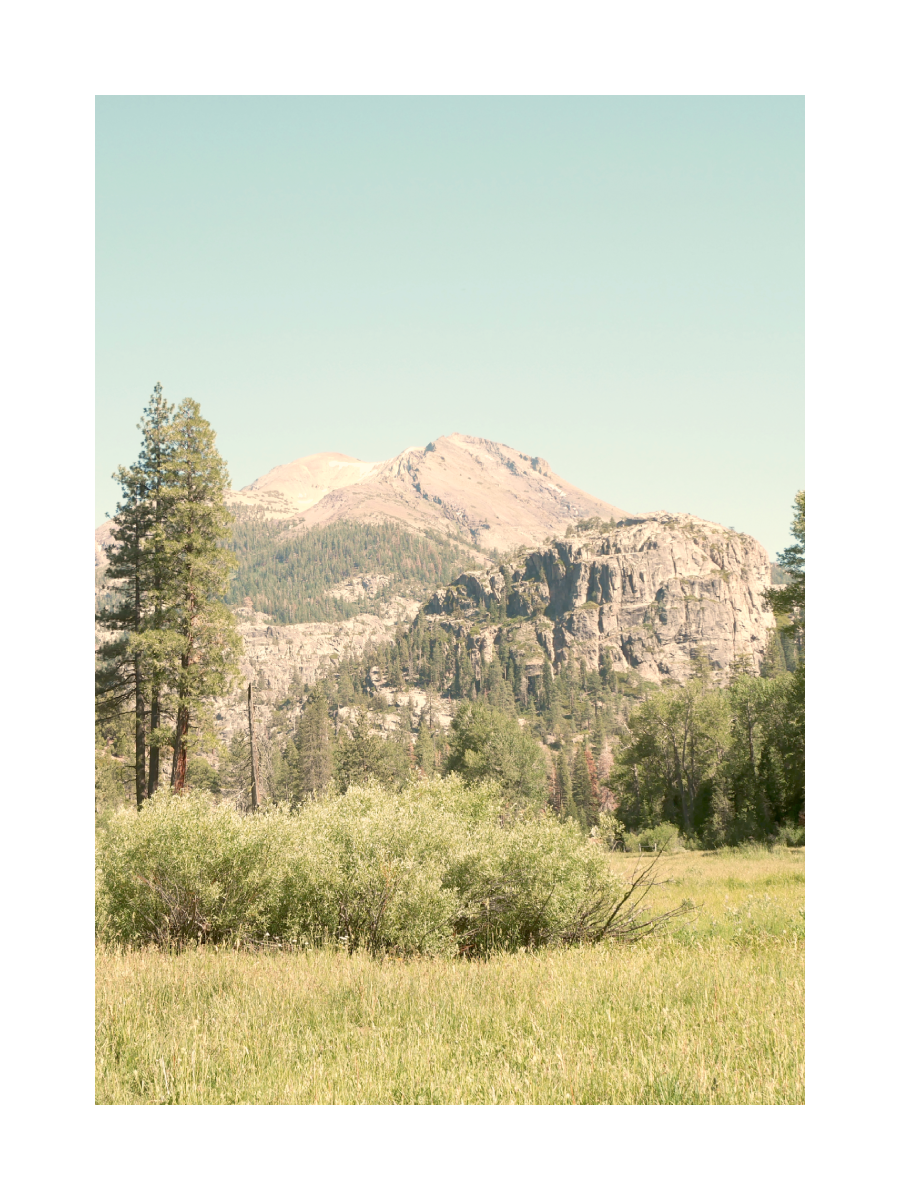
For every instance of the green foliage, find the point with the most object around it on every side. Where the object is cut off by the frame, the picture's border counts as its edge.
(792, 561)
(171, 643)
(426, 755)
(363, 756)
(201, 774)
(113, 782)
(488, 744)
(287, 571)
(583, 787)
(675, 741)
(791, 835)
(437, 869)
(664, 836)
(609, 831)
(731, 760)
(314, 750)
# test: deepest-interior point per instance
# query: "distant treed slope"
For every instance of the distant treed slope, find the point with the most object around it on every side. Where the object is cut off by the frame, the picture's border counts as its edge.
(288, 573)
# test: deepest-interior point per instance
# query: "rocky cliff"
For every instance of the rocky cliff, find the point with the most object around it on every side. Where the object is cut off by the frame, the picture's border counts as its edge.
(644, 593)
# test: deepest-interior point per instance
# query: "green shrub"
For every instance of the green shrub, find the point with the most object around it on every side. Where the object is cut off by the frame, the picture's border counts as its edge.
(609, 831)
(791, 835)
(439, 868)
(664, 836)
(185, 868)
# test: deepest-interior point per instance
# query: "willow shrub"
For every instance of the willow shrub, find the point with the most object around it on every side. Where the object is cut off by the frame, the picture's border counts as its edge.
(439, 868)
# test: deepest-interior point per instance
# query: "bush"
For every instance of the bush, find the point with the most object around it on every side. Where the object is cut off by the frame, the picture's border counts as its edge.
(791, 835)
(658, 837)
(437, 869)
(609, 831)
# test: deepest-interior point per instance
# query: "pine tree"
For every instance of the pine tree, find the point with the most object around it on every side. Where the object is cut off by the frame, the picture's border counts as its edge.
(563, 784)
(196, 522)
(314, 761)
(167, 570)
(791, 599)
(774, 663)
(547, 690)
(154, 462)
(119, 683)
(366, 757)
(425, 753)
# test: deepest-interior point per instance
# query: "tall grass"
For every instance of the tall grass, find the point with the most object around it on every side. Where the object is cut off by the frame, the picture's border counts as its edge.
(708, 1014)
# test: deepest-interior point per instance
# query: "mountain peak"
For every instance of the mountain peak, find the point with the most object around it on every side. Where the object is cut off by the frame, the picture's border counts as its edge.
(458, 485)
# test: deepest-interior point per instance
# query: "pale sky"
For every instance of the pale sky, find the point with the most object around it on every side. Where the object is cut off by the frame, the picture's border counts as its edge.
(614, 284)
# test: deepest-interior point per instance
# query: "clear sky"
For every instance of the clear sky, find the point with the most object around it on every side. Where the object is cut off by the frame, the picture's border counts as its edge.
(615, 284)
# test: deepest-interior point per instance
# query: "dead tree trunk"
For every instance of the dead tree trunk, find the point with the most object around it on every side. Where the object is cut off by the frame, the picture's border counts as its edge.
(254, 794)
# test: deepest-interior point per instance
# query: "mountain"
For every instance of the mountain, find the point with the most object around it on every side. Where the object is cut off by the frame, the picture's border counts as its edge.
(645, 594)
(337, 555)
(640, 598)
(458, 486)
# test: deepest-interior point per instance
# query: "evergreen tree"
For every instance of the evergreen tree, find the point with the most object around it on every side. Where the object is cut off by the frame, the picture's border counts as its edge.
(486, 743)
(547, 690)
(167, 569)
(362, 756)
(563, 796)
(154, 462)
(196, 523)
(314, 756)
(791, 598)
(425, 751)
(774, 663)
(120, 685)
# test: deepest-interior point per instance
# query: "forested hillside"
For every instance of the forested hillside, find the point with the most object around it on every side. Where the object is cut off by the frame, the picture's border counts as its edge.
(288, 571)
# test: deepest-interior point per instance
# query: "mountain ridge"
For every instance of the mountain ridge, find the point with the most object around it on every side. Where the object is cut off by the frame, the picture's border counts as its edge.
(492, 494)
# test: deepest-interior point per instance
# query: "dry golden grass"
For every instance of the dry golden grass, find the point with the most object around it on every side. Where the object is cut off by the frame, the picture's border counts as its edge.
(710, 1014)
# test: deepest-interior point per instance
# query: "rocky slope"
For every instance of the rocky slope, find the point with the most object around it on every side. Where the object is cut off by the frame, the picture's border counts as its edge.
(277, 656)
(457, 485)
(647, 592)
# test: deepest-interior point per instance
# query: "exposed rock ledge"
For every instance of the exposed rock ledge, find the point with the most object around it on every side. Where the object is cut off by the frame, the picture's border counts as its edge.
(648, 591)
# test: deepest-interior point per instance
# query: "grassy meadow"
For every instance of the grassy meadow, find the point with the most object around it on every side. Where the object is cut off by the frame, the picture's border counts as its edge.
(710, 1012)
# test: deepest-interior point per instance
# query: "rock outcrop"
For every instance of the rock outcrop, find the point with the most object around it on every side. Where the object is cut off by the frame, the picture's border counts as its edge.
(645, 593)
(277, 656)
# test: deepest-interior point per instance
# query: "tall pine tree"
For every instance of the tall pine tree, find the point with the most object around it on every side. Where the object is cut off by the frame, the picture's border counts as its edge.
(197, 522)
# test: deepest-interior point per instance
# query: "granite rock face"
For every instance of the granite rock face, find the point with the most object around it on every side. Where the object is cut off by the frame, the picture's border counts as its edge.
(644, 593)
(276, 656)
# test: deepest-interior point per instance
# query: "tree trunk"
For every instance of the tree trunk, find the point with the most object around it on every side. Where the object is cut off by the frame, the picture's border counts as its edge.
(179, 754)
(153, 775)
(140, 737)
(254, 795)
